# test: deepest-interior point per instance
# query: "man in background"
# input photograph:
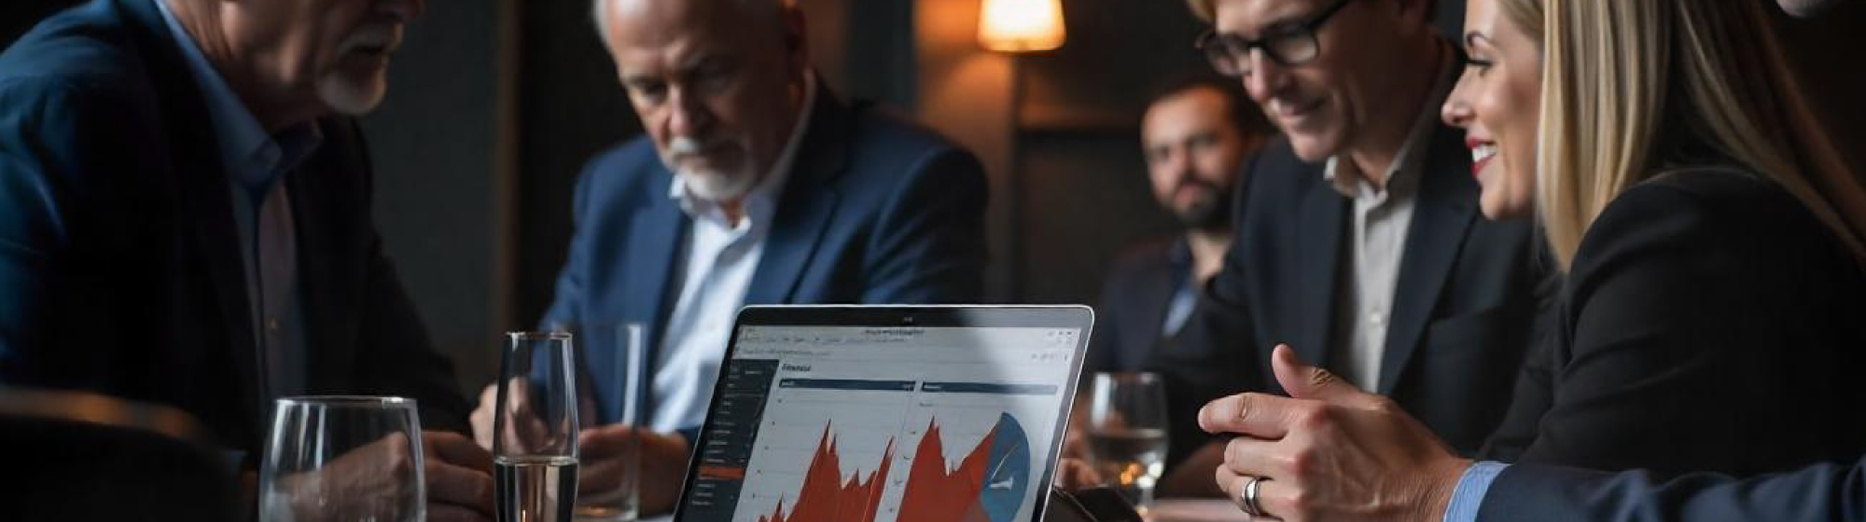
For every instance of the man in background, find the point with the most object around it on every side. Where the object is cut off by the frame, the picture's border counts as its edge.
(1194, 134)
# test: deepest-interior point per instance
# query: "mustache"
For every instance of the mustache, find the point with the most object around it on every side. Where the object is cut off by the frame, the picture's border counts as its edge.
(683, 146)
(383, 36)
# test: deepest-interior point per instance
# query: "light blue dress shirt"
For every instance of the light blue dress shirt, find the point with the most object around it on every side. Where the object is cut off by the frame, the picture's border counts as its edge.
(719, 260)
(1469, 495)
(255, 163)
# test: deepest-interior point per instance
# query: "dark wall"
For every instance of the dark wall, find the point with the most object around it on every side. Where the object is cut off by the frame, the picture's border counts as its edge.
(570, 107)
(435, 146)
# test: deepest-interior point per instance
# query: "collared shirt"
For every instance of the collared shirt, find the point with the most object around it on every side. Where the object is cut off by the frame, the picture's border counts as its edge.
(1185, 293)
(1381, 219)
(1468, 495)
(255, 162)
(720, 259)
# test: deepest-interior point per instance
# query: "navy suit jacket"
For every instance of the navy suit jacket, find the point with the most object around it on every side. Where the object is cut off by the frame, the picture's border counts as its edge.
(1135, 298)
(1465, 306)
(1709, 324)
(120, 271)
(875, 211)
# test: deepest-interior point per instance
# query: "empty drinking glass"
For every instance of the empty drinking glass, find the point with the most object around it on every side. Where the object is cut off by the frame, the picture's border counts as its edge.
(343, 458)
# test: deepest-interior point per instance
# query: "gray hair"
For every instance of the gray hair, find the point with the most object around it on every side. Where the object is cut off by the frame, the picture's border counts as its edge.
(598, 12)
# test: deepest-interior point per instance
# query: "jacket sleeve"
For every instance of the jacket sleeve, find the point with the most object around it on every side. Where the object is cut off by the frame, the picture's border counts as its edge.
(930, 243)
(1535, 493)
(60, 144)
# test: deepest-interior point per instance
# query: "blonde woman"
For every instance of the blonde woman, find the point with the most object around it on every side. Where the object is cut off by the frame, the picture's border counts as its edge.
(1711, 316)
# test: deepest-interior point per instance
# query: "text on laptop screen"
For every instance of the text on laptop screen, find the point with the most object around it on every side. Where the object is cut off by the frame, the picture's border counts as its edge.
(863, 424)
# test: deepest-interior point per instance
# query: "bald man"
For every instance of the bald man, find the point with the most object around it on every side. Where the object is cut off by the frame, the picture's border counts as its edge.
(754, 184)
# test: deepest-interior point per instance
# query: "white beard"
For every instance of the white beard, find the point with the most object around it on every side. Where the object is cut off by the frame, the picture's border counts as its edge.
(710, 185)
(716, 186)
(351, 96)
(355, 96)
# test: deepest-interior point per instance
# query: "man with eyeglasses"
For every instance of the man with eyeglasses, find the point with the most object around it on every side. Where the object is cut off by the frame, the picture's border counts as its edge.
(1358, 239)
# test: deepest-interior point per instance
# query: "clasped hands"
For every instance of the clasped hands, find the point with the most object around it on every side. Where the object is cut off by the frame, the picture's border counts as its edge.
(1330, 451)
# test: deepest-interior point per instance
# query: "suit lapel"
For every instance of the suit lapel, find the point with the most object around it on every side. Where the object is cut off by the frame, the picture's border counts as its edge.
(1443, 211)
(809, 199)
(318, 290)
(657, 229)
(1319, 248)
(208, 202)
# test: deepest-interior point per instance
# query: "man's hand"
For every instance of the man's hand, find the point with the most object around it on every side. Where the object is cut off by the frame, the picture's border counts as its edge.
(523, 429)
(1332, 452)
(459, 476)
(664, 458)
(482, 416)
(1073, 474)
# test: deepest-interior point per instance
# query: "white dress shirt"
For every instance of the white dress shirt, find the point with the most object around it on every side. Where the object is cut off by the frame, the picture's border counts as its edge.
(720, 259)
(1382, 217)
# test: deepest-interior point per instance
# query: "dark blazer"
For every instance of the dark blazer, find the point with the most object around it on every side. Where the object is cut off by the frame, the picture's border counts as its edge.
(1824, 492)
(1709, 323)
(875, 210)
(119, 268)
(1135, 297)
(1463, 309)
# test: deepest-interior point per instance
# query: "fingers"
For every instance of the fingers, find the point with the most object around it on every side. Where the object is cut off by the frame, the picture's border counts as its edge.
(481, 418)
(1075, 474)
(1273, 497)
(1253, 457)
(455, 449)
(609, 455)
(458, 486)
(1310, 382)
(1255, 414)
(603, 441)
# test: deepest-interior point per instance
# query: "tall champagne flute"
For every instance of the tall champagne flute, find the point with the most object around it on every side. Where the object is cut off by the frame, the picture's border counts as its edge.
(535, 429)
(343, 458)
(1127, 432)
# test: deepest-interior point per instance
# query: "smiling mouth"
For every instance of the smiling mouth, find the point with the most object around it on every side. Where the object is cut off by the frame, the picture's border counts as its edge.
(1296, 110)
(1481, 154)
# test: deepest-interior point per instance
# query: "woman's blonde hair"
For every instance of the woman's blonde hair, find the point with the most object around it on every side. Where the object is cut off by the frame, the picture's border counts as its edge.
(1632, 87)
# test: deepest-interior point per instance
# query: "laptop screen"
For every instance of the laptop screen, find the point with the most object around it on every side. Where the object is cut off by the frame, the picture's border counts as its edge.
(885, 423)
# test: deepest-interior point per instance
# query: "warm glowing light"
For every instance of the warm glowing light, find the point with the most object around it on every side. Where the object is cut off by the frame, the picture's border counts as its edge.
(1021, 25)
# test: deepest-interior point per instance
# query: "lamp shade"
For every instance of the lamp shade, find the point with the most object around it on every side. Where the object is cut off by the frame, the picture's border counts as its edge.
(1021, 25)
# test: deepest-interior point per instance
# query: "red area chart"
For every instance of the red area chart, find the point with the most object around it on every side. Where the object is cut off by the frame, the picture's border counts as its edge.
(987, 484)
(826, 498)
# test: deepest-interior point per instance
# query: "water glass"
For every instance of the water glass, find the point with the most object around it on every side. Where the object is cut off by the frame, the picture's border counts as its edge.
(343, 458)
(611, 480)
(535, 426)
(1127, 432)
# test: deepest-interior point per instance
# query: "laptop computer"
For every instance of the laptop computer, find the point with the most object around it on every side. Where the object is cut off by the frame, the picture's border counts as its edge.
(887, 414)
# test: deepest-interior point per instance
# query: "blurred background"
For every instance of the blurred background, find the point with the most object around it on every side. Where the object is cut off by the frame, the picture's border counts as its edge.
(494, 105)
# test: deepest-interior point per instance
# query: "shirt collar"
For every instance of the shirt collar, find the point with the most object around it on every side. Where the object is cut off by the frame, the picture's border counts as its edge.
(1411, 157)
(761, 202)
(250, 155)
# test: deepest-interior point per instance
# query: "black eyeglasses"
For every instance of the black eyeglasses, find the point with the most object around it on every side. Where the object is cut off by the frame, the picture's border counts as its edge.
(1294, 45)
